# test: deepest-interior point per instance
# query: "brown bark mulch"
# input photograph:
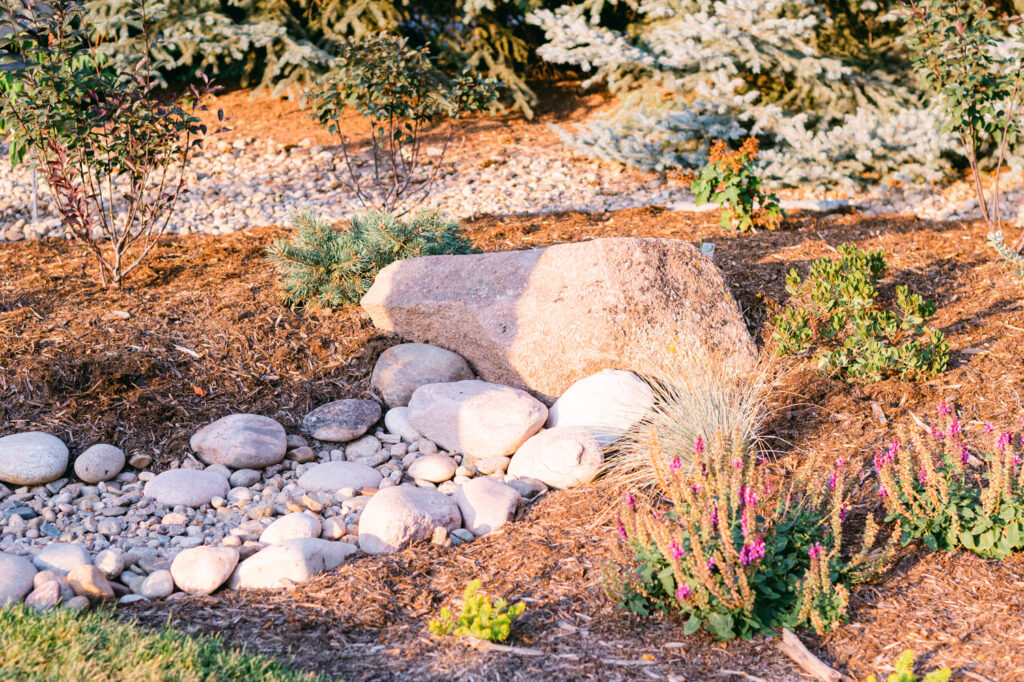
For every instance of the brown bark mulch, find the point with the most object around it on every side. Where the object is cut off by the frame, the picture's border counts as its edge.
(205, 335)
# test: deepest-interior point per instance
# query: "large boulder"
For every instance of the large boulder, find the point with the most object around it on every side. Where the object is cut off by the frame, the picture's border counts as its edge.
(476, 418)
(402, 369)
(398, 516)
(32, 458)
(241, 441)
(544, 318)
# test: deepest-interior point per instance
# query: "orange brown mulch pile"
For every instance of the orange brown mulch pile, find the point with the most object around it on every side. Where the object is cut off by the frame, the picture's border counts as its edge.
(204, 335)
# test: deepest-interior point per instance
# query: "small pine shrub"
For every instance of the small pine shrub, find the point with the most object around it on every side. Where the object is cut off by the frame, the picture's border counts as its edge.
(479, 618)
(735, 555)
(904, 671)
(946, 496)
(730, 179)
(326, 266)
(835, 315)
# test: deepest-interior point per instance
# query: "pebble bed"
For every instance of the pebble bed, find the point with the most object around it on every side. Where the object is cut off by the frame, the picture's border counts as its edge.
(250, 183)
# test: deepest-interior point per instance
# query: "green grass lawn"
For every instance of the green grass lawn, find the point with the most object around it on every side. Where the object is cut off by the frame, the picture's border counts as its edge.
(65, 646)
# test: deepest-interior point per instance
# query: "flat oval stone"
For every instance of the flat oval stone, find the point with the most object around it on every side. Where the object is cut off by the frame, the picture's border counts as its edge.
(291, 526)
(17, 576)
(101, 462)
(62, 557)
(32, 458)
(476, 418)
(241, 441)
(433, 468)
(187, 487)
(333, 476)
(402, 369)
(562, 457)
(342, 420)
(396, 517)
(201, 570)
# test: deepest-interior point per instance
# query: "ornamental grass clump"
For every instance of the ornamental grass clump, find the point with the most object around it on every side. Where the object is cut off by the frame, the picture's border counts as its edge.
(949, 491)
(696, 395)
(730, 179)
(835, 315)
(736, 554)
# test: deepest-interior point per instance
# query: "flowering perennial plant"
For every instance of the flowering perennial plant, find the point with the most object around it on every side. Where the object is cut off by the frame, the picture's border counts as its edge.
(948, 493)
(735, 554)
(729, 178)
(835, 314)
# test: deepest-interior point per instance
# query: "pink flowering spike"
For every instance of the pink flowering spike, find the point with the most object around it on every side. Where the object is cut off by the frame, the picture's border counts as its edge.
(698, 445)
(1005, 438)
(954, 427)
(622, 530)
(676, 464)
(675, 549)
(882, 492)
(944, 409)
(630, 502)
(738, 463)
(815, 551)
(711, 563)
(683, 592)
(842, 513)
(989, 428)
(964, 454)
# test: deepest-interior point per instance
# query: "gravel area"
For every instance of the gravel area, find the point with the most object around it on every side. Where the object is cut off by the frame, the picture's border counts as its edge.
(250, 183)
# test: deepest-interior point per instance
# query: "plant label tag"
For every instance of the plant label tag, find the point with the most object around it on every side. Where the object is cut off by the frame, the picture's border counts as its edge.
(708, 249)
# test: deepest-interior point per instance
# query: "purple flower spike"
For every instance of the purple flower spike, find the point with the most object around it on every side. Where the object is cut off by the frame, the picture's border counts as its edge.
(944, 409)
(1005, 438)
(676, 464)
(675, 549)
(630, 502)
(698, 445)
(989, 428)
(882, 492)
(964, 454)
(622, 530)
(815, 551)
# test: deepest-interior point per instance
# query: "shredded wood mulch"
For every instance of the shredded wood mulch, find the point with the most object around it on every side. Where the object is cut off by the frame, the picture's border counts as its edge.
(205, 335)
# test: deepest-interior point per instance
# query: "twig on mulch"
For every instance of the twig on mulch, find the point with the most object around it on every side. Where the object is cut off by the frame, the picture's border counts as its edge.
(791, 645)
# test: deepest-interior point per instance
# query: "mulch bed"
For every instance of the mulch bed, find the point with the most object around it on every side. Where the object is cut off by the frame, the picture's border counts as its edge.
(206, 335)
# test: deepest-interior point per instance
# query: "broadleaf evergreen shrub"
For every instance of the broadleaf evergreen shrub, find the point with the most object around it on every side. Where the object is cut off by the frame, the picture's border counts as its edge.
(326, 266)
(835, 315)
(735, 555)
(949, 493)
(729, 179)
(479, 617)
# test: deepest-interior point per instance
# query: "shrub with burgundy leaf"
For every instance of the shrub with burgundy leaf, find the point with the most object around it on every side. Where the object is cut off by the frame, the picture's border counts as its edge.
(112, 152)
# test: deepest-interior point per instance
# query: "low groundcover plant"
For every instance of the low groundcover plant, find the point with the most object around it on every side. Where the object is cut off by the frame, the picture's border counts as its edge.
(736, 555)
(479, 618)
(948, 492)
